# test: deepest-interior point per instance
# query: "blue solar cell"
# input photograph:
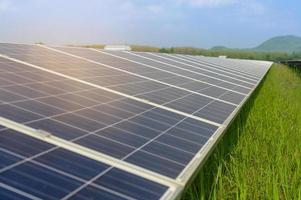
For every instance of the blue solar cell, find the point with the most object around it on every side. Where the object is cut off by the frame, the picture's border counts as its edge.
(61, 103)
(81, 122)
(169, 152)
(98, 116)
(4, 82)
(11, 195)
(186, 135)
(39, 181)
(105, 146)
(72, 163)
(179, 143)
(149, 122)
(131, 185)
(123, 136)
(217, 112)
(25, 91)
(155, 163)
(17, 114)
(7, 96)
(91, 192)
(138, 129)
(57, 128)
(39, 108)
(7, 159)
(113, 111)
(22, 144)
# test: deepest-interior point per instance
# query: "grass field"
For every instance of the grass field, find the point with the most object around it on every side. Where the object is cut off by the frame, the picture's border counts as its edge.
(259, 157)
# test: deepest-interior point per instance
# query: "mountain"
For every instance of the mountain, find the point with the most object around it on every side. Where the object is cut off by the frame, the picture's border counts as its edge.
(289, 44)
(220, 48)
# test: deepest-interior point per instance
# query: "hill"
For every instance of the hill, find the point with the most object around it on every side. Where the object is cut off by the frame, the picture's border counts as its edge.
(287, 44)
(220, 48)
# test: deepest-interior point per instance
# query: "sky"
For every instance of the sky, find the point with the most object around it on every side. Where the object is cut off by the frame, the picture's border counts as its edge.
(162, 23)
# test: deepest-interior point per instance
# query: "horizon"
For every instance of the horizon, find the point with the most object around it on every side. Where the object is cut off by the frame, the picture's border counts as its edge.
(193, 23)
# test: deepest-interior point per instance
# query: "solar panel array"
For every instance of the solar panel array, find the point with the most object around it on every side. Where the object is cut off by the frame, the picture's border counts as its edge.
(82, 123)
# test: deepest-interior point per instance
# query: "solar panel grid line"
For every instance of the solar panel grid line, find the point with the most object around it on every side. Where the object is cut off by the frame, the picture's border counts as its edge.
(113, 91)
(24, 160)
(204, 153)
(229, 65)
(156, 137)
(197, 156)
(85, 182)
(222, 73)
(23, 194)
(199, 80)
(77, 158)
(218, 84)
(219, 67)
(21, 84)
(89, 153)
(186, 64)
(164, 83)
(118, 141)
(229, 74)
(137, 135)
(216, 67)
(28, 82)
(225, 66)
(26, 98)
(250, 67)
(193, 79)
(48, 82)
(75, 110)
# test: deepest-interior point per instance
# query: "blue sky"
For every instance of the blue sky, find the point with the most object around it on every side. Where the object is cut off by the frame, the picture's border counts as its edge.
(199, 23)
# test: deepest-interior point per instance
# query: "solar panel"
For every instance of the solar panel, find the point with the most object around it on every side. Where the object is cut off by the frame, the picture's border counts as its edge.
(34, 169)
(124, 125)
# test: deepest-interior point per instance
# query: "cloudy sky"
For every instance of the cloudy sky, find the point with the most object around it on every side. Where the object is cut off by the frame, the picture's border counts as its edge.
(199, 23)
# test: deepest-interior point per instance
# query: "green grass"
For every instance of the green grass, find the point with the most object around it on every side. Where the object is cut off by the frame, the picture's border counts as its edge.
(259, 157)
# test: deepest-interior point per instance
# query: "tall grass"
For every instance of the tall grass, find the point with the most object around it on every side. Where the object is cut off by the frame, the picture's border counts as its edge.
(259, 157)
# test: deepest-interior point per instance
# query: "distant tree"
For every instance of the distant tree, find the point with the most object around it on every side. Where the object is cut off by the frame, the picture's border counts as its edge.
(163, 50)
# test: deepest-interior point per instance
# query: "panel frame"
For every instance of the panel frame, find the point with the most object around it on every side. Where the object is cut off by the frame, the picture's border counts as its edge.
(174, 187)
